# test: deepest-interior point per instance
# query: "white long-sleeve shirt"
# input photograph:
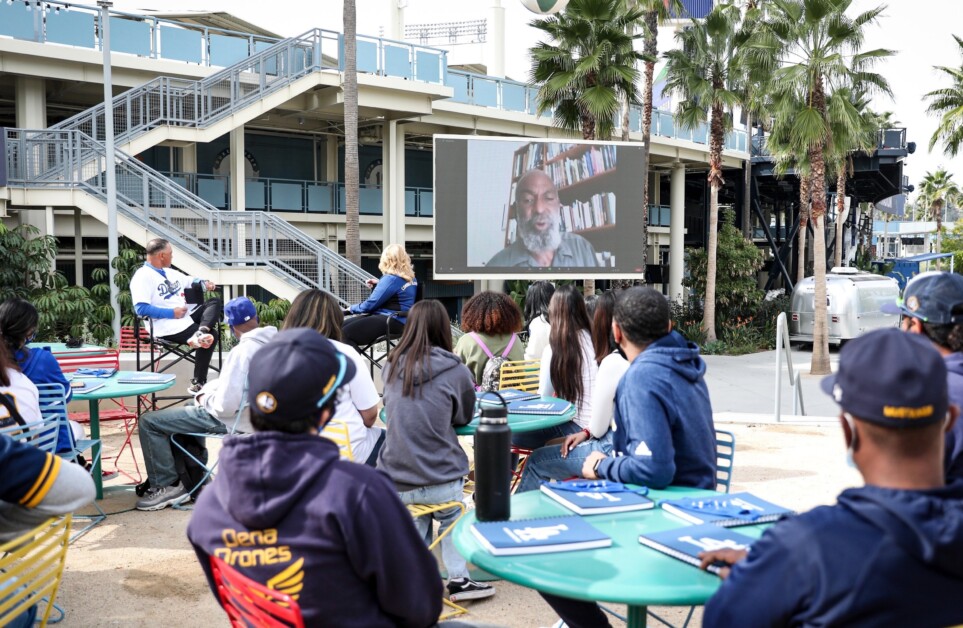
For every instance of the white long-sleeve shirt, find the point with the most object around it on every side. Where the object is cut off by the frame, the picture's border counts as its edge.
(611, 370)
(538, 331)
(589, 372)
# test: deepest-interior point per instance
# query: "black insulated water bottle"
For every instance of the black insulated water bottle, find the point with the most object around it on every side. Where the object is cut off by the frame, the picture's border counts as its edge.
(493, 463)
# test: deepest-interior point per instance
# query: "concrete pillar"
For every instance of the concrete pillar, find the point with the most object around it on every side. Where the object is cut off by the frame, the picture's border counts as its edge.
(31, 113)
(331, 159)
(676, 230)
(495, 54)
(395, 28)
(78, 249)
(238, 201)
(189, 158)
(393, 183)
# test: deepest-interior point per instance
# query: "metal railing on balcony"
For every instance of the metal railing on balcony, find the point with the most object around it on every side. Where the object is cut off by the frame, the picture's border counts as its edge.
(50, 159)
(660, 216)
(887, 139)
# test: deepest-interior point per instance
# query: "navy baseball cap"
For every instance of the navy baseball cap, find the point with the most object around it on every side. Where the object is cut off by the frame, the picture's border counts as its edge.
(890, 378)
(238, 311)
(931, 298)
(295, 374)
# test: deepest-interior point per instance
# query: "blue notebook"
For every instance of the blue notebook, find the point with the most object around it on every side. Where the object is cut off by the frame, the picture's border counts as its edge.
(686, 543)
(538, 536)
(508, 394)
(91, 372)
(597, 502)
(540, 406)
(736, 509)
(146, 378)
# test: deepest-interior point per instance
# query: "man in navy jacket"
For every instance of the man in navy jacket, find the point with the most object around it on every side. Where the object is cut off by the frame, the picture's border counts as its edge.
(665, 434)
(287, 512)
(887, 554)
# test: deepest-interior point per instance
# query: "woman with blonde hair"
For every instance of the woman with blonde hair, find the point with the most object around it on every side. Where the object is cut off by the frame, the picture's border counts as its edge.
(358, 405)
(393, 293)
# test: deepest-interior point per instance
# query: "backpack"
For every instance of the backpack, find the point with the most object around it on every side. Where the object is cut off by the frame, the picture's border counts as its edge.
(492, 373)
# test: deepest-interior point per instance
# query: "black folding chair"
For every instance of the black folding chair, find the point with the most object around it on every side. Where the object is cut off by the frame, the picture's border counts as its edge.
(158, 349)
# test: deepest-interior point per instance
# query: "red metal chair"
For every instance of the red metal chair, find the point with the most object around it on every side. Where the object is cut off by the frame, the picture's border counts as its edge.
(69, 362)
(249, 603)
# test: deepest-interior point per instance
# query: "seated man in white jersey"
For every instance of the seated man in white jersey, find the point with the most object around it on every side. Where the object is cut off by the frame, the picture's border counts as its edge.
(358, 404)
(157, 291)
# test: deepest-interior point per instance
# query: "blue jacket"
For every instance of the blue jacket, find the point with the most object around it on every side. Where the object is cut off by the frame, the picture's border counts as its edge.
(953, 455)
(879, 557)
(286, 511)
(41, 367)
(665, 432)
(392, 294)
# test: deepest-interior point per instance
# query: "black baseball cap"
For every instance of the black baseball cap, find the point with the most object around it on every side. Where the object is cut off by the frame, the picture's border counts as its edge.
(931, 298)
(295, 374)
(890, 378)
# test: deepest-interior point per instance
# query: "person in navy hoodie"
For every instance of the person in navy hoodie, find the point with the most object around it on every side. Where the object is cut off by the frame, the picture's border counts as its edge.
(664, 430)
(393, 293)
(19, 321)
(286, 511)
(932, 306)
(887, 554)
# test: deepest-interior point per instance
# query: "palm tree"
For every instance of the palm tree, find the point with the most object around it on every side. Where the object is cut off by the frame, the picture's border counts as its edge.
(814, 47)
(352, 229)
(854, 127)
(939, 190)
(947, 102)
(587, 68)
(705, 71)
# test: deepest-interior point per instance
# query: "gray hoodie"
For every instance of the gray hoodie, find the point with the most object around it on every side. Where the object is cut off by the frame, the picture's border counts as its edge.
(421, 448)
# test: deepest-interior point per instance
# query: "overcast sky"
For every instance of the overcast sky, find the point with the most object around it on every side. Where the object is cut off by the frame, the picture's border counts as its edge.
(920, 32)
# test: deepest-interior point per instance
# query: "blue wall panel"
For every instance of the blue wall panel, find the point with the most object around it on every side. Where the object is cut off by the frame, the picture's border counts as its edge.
(16, 21)
(180, 44)
(72, 28)
(227, 50)
(130, 36)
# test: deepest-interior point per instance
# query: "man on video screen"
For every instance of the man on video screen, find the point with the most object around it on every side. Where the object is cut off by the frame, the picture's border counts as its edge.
(541, 242)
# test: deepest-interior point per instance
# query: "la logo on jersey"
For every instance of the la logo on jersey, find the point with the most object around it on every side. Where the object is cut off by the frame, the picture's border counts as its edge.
(168, 288)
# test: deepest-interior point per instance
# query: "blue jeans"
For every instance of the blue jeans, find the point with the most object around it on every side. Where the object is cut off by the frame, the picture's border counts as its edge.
(155, 438)
(547, 463)
(439, 494)
(538, 438)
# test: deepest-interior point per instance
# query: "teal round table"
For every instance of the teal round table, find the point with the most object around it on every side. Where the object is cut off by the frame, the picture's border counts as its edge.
(625, 573)
(112, 389)
(60, 347)
(518, 422)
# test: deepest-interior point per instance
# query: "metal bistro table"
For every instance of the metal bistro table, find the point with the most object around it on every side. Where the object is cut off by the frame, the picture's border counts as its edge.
(112, 389)
(625, 573)
(518, 422)
(58, 348)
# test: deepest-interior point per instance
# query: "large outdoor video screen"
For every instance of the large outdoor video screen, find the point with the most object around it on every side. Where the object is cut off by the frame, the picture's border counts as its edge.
(522, 207)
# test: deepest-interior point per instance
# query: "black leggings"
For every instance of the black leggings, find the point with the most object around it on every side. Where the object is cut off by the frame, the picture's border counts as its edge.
(206, 315)
(360, 331)
(576, 613)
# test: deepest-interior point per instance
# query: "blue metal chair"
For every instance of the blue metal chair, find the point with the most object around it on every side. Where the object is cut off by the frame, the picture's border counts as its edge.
(53, 408)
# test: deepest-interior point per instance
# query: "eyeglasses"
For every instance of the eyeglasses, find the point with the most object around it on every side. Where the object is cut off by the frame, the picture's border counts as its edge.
(336, 386)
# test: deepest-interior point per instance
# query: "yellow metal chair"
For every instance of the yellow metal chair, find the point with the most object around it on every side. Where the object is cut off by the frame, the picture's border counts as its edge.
(420, 510)
(337, 431)
(31, 567)
(520, 375)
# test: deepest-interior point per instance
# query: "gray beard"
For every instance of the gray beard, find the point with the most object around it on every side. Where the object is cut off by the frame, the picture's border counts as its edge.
(548, 241)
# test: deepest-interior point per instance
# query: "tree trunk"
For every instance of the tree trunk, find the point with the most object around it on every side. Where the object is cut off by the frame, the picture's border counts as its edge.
(650, 48)
(938, 217)
(840, 213)
(804, 200)
(746, 200)
(352, 229)
(820, 364)
(715, 183)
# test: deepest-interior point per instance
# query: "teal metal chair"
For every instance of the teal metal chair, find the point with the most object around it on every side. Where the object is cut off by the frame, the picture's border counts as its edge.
(53, 408)
(725, 457)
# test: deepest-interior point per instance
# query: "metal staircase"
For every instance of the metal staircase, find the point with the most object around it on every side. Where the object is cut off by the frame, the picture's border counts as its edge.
(65, 165)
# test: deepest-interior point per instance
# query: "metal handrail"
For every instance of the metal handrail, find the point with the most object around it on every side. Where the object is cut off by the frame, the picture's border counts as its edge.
(196, 104)
(48, 159)
(782, 347)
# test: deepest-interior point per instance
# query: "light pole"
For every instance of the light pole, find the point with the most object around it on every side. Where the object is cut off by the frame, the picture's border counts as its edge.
(110, 166)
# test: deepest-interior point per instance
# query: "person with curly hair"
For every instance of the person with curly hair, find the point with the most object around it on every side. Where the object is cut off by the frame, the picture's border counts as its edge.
(393, 293)
(491, 321)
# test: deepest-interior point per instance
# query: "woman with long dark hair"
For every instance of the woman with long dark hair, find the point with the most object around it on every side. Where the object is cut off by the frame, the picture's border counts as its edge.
(427, 393)
(357, 406)
(568, 366)
(19, 321)
(537, 298)
(559, 463)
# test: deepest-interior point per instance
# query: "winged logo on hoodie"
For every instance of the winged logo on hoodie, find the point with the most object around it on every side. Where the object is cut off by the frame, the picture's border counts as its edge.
(290, 580)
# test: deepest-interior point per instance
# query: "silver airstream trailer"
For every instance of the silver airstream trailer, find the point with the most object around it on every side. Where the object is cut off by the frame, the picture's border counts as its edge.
(854, 299)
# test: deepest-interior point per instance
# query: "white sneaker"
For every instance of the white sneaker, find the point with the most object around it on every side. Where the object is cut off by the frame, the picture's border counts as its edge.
(200, 340)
